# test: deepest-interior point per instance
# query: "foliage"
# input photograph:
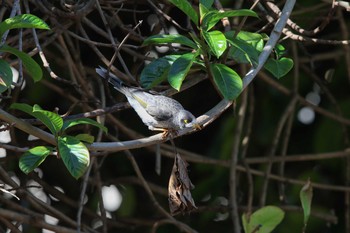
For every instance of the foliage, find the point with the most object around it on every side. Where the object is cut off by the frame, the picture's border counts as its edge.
(32, 67)
(208, 47)
(306, 199)
(71, 149)
(263, 220)
(263, 128)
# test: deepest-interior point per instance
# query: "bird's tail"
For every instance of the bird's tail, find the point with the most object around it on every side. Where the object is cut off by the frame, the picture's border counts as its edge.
(114, 80)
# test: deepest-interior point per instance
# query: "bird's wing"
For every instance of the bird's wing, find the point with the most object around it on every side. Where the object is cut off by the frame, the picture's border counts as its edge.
(159, 113)
(140, 97)
(157, 106)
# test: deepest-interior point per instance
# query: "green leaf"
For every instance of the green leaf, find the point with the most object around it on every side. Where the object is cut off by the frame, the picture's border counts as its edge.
(5, 76)
(254, 39)
(174, 38)
(74, 154)
(243, 52)
(187, 8)
(306, 200)
(280, 50)
(157, 71)
(22, 21)
(263, 220)
(180, 69)
(213, 17)
(246, 46)
(69, 123)
(216, 41)
(52, 120)
(31, 66)
(85, 137)
(227, 80)
(200, 43)
(23, 107)
(204, 7)
(279, 68)
(33, 158)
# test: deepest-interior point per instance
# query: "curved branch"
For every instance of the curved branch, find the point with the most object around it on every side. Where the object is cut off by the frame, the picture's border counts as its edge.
(203, 120)
(274, 37)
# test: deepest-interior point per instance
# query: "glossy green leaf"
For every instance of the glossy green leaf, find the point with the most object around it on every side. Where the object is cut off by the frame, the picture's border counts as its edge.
(243, 52)
(30, 65)
(50, 119)
(5, 76)
(23, 107)
(227, 80)
(33, 158)
(216, 41)
(279, 68)
(204, 7)
(74, 154)
(254, 39)
(180, 69)
(306, 200)
(157, 71)
(263, 220)
(280, 51)
(186, 7)
(246, 46)
(22, 21)
(214, 16)
(70, 123)
(85, 138)
(174, 38)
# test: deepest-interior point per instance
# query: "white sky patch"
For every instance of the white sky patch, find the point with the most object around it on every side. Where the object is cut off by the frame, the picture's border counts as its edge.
(306, 115)
(112, 198)
(50, 220)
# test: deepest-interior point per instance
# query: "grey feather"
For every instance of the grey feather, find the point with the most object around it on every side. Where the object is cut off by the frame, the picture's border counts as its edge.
(155, 110)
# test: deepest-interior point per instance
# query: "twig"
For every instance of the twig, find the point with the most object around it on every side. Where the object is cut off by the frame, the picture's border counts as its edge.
(273, 7)
(234, 160)
(180, 225)
(113, 41)
(37, 222)
(276, 138)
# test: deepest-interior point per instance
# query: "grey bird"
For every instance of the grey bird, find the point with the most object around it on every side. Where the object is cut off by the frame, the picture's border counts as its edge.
(158, 112)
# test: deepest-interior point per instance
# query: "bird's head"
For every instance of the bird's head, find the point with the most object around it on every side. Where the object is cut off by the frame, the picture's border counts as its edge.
(187, 120)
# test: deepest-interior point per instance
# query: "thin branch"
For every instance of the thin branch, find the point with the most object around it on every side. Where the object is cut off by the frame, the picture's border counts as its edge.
(34, 221)
(233, 183)
(270, 44)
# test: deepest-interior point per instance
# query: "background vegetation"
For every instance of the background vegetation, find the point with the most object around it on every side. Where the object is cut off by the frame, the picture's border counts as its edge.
(259, 150)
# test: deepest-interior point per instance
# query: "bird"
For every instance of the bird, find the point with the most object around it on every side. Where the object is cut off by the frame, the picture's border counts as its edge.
(157, 112)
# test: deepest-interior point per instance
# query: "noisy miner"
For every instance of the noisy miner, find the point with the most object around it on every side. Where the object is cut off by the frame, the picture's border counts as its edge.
(158, 112)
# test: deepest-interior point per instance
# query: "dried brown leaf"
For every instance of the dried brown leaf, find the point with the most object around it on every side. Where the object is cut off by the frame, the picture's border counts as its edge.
(179, 188)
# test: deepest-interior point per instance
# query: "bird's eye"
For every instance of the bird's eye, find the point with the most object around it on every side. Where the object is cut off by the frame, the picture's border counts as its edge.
(185, 121)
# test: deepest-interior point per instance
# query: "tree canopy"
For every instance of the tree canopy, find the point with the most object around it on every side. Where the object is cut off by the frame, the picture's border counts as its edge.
(267, 80)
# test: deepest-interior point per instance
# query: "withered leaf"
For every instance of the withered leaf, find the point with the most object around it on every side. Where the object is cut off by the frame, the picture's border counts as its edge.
(179, 188)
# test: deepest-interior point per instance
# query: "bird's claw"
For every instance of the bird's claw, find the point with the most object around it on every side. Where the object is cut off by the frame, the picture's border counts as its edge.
(169, 132)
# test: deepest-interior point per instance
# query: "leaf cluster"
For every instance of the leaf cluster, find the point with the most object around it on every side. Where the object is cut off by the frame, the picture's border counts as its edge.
(32, 67)
(71, 149)
(210, 49)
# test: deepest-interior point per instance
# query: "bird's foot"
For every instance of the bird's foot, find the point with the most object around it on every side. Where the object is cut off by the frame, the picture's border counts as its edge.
(169, 132)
